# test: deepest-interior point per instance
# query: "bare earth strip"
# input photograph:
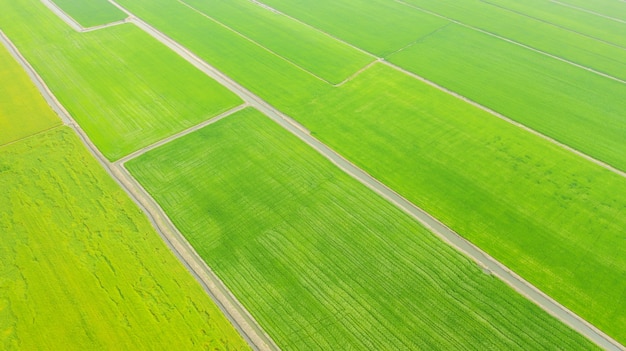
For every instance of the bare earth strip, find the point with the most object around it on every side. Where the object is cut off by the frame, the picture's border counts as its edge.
(215, 288)
(72, 23)
(455, 240)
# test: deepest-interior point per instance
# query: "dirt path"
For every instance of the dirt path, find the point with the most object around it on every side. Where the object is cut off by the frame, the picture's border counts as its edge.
(445, 233)
(215, 288)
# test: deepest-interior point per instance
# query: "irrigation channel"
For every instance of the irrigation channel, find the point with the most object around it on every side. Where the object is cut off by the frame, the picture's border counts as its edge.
(231, 307)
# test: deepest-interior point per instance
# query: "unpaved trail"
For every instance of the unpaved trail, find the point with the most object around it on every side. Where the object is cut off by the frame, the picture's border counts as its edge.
(215, 288)
(455, 240)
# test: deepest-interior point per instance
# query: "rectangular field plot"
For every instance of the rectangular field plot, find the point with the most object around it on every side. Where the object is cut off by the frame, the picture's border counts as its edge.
(571, 105)
(535, 33)
(267, 75)
(23, 111)
(81, 267)
(378, 26)
(550, 216)
(124, 88)
(90, 13)
(320, 260)
(306, 47)
(555, 13)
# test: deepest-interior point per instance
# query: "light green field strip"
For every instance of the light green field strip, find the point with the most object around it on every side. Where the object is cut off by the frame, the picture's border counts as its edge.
(306, 47)
(271, 77)
(23, 111)
(574, 47)
(378, 26)
(550, 216)
(321, 261)
(569, 18)
(82, 269)
(612, 8)
(571, 105)
(91, 13)
(124, 88)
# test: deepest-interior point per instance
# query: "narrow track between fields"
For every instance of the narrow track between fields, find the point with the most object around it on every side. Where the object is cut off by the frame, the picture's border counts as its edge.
(455, 240)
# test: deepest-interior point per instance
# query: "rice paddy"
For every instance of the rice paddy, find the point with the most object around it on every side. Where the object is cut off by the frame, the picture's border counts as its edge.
(320, 260)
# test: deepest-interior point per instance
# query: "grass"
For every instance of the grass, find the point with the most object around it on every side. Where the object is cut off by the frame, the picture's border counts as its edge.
(320, 260)
(589, 24)
(124, 88)
(574, 106)
(538, 34)
(550, 216)
(90, 13)
(81, 266)
(23, 111)
(614, 9)
(267, 75)
(306, 47)
(364, 23)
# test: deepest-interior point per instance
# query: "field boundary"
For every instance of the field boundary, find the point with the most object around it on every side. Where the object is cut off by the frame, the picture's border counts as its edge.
(234, 311)
(446, 234)
(605, 75)
(73, 23)
(189, 130)
(588, 11)
(253, 42)
(552, 24)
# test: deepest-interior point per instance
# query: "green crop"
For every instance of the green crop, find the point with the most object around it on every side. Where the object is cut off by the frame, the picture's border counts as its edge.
(82, 268)
(91, 13)
(320, 260)
(23, 111)
(124, 88)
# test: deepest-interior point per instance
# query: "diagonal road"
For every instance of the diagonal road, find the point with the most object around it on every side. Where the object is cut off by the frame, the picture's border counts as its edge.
(480, 257)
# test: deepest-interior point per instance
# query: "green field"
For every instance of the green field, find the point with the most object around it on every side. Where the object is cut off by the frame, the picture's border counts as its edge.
(576, 47)
(81, 266)
(308, 48)
(320, 260)
(23, 111)
(90, 13)
(586, 23)
(552, 217)
(611, 8)
(124, 88)
(267, 75)
(571, 105)
(535, 207)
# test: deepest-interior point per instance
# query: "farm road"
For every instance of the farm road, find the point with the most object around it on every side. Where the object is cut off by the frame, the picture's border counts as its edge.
(215, 288)
(455, 240)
